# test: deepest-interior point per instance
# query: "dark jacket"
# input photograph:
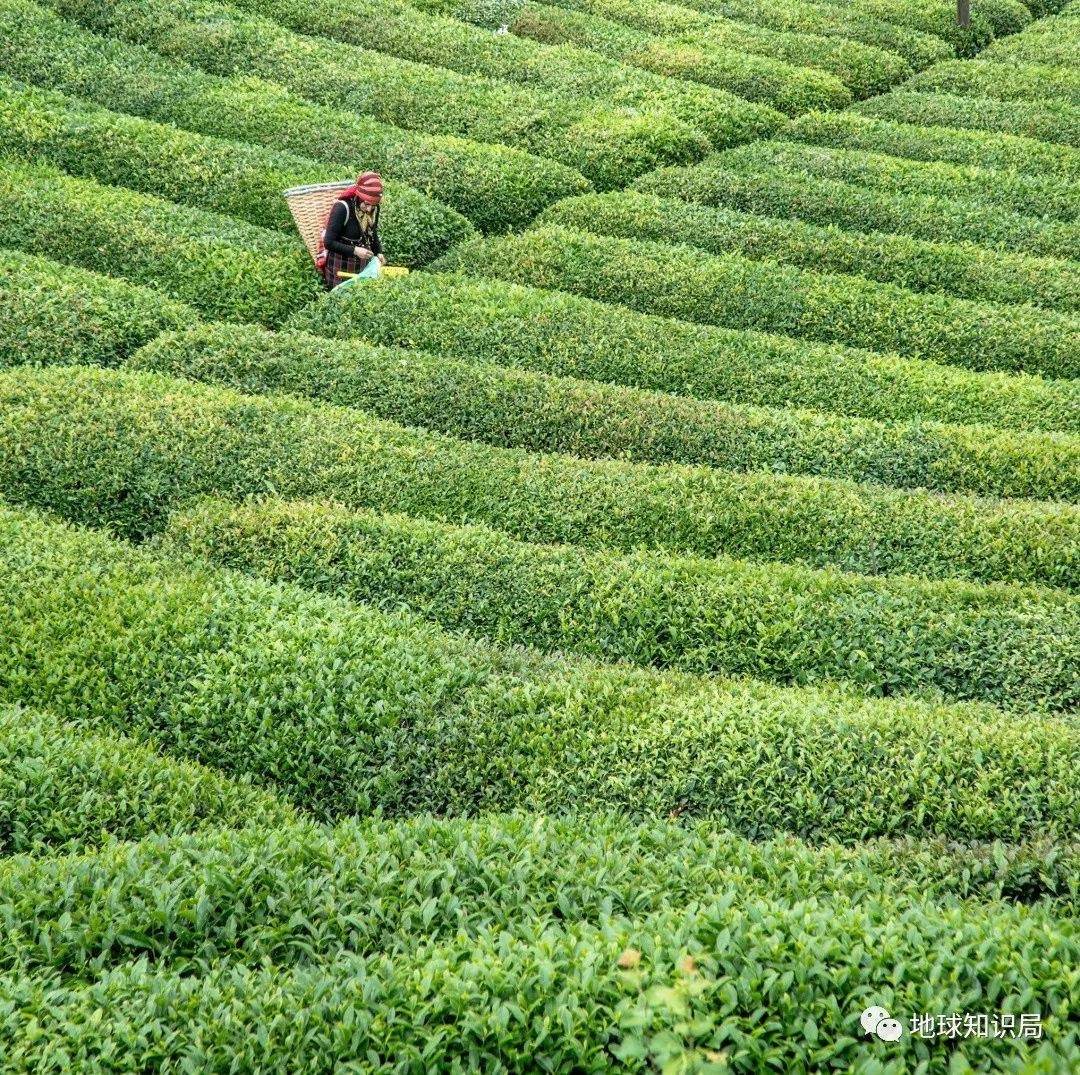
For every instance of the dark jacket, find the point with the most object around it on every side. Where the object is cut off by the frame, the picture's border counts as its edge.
(343, 234)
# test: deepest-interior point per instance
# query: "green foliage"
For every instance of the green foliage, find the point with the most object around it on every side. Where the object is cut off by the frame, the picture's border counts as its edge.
(522, 409)
(1004, 645)
(346, 709)
(855, 207)
(493, 186)
(959, 269)
(605, 144)
(1048, 121)
(224, 177)
(303, 892)
(221, 266)
(1002, 82)
(1037, 196)
(489, 321)
(64, 789)
(54, 313)
(1005, 152)
(124, 449)
(732, 290)
(398, 28)
(1052, 41)
(765, 79)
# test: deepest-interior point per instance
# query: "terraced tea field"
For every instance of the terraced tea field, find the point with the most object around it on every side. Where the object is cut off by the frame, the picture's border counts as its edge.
(644, 637)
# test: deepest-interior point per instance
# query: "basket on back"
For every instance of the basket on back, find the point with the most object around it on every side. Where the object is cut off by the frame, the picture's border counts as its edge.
(309, 207)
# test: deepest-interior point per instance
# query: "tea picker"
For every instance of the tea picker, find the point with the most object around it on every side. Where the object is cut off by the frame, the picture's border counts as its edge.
(339, 223)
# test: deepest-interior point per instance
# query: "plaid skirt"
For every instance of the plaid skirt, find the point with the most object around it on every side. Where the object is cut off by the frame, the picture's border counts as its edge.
(337, 263)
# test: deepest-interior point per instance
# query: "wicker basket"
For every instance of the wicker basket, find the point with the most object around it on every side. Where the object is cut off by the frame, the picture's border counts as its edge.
(309, 206)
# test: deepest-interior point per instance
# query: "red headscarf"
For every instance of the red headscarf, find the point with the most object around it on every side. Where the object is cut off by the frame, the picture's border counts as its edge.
(367, 188)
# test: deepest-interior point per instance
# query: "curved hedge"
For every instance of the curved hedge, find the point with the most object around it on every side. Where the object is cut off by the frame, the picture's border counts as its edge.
(64, 790)
(1013, 647)
(642, 994)
(1005, 152)
(102, 447)
(764, 79)
(1048, 41)
(238, 180)
(992, 19)
(858, 208)
(400, 29)
(1048, 122)
(959, 269)
(55, 313)
(604, 144)
(1002, 82)
(489, 321)
(221, 266)
(679, 281)
(346, 710)
(494, 186)
(1043, 197)
(521, 409)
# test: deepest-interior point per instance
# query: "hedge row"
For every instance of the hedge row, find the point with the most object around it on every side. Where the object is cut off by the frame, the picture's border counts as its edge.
(301, 891)
(1005, 152)
(65, 790)
(864, 69)
(670, 991)
(233, 178)
(854, 207)
(221, 266)
(679, 281)
(1014, 648)
(1049, 121)
(960, 269)
(346, 709)
(1043, 197)
(604, 144)
(1049, 42)
(398, 28)
(102, 447)
(522, 409)
(495, 187)
(50, 312)
(489, 321)
(764, 79)
(917, 48)
(1002, 82)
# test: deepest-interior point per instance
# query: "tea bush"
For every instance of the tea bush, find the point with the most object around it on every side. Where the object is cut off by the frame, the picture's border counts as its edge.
(123, 449)
(767, 296)
(959, 269)
(523, 409)
(1002, 82)
(490, 321)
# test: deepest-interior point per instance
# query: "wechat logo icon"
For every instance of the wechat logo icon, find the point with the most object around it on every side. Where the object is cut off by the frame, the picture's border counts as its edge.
(878, 1021)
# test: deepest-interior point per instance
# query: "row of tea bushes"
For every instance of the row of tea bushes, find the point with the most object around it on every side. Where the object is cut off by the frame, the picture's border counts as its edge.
(1002, 82)
(1043, 197)
(66, 790)
(493, 186)
(739, 292)
(302, 893)
(222, 267)
(959, 269)
(682, 987)
(490, 321)
(855, 207)
(1005, 152)
(233, 178)
(522, 409)
(1013, 647)
(605, 144)
(765, 79)
(346, 709)
(398, 28)
(56, 313)
(1050, 121)
(1050, 41)
(102, 447)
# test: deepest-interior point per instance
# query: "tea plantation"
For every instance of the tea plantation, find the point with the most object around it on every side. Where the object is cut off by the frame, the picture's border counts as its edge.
(644, 637)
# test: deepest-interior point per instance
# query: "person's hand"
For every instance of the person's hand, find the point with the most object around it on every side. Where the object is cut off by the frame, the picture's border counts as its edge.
(362, 253)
